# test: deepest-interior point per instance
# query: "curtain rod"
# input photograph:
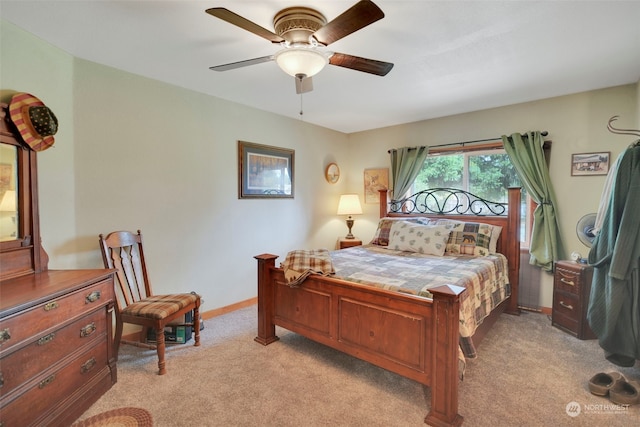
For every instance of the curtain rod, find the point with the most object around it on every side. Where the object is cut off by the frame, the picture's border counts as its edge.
(543, 133)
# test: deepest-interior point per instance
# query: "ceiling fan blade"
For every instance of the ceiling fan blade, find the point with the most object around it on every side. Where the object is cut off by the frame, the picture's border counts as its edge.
(360, 15)
(357, 63)
(240, 64)
(244, 23)
(303, 85)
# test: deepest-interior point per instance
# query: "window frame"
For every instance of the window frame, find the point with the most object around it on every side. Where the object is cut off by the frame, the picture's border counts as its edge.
(486, 148)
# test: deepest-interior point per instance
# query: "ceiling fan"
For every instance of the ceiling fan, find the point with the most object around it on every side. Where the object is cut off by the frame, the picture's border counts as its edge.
(302, 33)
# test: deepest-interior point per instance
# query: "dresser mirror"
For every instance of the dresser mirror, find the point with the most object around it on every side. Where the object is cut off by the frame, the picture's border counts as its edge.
(20, 249)
(8, 194)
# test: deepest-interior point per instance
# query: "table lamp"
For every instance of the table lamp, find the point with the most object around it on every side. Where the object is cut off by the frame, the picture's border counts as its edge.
(349, 205)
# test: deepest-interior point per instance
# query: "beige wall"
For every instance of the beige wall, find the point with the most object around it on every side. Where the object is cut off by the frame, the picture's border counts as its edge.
(136, 153)
(29, 65)
(637, 126)
(576, 123)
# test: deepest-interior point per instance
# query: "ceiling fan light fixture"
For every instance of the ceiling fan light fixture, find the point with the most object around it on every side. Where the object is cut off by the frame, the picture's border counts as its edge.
(295, 61)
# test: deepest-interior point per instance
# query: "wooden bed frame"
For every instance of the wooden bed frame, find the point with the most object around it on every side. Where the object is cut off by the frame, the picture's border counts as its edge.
(409, 335)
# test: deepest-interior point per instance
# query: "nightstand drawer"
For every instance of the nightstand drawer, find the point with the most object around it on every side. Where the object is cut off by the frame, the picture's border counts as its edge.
(348, 243)
(567, 280)
(566, 304)
(568, 324)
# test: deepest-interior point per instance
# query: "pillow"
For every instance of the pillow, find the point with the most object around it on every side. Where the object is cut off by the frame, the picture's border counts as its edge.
(470, 238)
(381, 237)
(424, 239)
(495, 234)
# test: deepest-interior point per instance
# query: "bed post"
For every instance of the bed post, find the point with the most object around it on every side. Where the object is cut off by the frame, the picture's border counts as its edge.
(266, 327)
(445, 332)
(513, 249)
(383, 203)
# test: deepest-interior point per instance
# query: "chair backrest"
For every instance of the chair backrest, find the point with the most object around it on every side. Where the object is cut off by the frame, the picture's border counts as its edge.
(123, 251)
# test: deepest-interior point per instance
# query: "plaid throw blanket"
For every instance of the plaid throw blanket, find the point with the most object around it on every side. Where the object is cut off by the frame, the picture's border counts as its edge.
(298, 265)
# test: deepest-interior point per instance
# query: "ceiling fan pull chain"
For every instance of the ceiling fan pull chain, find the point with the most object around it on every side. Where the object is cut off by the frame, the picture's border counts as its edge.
(301, 112)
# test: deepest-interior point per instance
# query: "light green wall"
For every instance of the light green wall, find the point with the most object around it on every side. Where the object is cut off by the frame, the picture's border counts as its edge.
(27, 64)
(637, 126)
(136, 153)
(576, 123)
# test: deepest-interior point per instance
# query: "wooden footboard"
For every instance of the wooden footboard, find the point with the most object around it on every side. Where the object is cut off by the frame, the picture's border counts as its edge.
(412, 336)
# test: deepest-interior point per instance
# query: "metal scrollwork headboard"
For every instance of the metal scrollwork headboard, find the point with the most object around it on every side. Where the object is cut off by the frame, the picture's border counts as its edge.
(447, 201)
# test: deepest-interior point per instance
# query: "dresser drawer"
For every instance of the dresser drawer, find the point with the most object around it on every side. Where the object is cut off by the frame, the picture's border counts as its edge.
(42, 319)
(50, 349)
(567, 280)
(53, 386)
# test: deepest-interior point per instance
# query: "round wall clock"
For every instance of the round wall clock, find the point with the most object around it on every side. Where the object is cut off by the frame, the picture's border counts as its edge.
(332, 173)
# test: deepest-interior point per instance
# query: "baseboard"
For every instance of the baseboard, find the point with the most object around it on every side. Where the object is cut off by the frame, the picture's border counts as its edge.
(541, 310)
(135, 336)
(229, 308)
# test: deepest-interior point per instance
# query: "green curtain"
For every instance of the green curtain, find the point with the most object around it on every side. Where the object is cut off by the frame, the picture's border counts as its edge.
(406, 163)
(527, 155)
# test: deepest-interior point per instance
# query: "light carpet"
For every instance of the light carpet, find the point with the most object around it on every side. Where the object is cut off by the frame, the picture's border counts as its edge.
(528, 373)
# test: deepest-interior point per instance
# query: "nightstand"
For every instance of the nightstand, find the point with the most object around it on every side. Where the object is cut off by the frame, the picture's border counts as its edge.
(348, 243)
(571, 288)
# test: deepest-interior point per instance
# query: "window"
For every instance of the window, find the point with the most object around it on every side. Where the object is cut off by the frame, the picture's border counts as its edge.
(486, 173)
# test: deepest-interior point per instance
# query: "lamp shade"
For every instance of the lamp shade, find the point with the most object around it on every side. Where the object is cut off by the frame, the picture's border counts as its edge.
(349, 205)
(305, 61)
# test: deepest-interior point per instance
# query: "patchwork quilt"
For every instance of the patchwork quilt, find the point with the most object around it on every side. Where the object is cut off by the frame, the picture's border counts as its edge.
(486, 279)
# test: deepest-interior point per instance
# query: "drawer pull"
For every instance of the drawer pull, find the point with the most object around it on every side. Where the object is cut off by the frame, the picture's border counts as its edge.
(47, 338)
(88, 365)
(568, 282)
(568, 306)
(1, 379)
(50, 306)
(88, 330)
(4, 335)
(92, 297)
(46, 381)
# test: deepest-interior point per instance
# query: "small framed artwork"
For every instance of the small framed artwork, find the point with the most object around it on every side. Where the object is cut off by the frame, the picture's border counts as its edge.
(265, 171)
(332, 173)
(374, 181)
(583, 164)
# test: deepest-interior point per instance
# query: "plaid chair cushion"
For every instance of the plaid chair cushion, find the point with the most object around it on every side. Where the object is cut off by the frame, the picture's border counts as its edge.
(160, 306)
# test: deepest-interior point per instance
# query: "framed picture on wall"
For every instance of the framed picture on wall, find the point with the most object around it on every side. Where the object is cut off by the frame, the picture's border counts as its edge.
(265, 171)
(590, 163)
(374, 181)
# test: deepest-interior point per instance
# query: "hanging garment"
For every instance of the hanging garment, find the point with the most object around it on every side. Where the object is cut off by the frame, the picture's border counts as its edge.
(606, 194)
(614, 305)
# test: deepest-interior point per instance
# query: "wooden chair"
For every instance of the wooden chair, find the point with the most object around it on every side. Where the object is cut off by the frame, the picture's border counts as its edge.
(137, 305)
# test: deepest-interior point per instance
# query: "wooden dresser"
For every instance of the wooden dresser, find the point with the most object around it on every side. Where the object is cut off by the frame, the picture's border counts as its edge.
(56, 345)
(571, 288)
(56, 352)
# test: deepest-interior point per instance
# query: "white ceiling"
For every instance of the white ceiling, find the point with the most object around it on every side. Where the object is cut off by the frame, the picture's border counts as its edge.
(450, 56)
